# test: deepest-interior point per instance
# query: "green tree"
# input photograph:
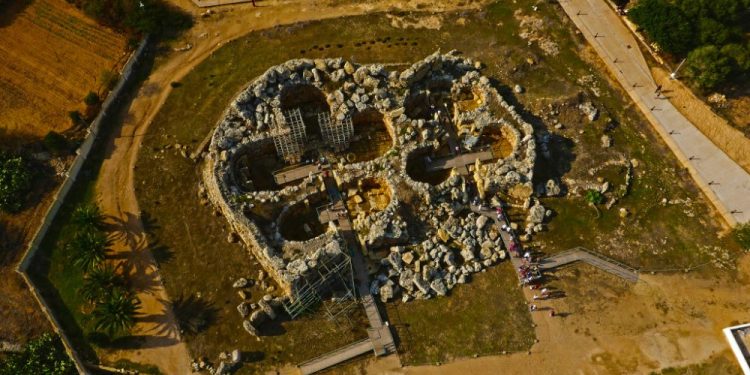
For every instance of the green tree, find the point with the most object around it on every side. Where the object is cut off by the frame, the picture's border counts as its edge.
(740, 54)
(15, 181)
(116, 314)
(708, 67)
(711, 31)
(44, 355)
(87, 216)
(88, 248)
(100, 282)
(665, 24)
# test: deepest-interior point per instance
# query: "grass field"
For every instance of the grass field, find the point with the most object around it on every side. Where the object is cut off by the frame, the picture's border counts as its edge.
(51, 55)
(167, 183)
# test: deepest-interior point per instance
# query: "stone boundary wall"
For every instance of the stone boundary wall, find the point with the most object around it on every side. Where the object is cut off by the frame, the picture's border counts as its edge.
(114, 98)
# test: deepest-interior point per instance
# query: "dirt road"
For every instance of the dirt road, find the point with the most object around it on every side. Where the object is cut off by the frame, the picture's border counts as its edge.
(161, 345)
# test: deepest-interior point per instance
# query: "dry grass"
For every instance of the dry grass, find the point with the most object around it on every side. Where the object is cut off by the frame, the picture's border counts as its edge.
(51, 55)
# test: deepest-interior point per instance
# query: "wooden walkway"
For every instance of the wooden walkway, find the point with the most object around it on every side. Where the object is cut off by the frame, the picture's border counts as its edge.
(595, 259)
(285, 176)
(459, 160)
(335, 357)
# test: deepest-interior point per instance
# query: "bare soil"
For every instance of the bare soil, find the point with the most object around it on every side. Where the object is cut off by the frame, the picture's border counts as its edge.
(51, 56)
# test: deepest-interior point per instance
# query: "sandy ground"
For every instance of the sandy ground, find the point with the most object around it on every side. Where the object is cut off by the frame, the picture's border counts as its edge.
(616, 328)
(730, 140)
(51, 55)
(114, 190)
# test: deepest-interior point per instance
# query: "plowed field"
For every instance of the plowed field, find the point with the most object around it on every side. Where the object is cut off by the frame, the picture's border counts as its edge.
(51, 55)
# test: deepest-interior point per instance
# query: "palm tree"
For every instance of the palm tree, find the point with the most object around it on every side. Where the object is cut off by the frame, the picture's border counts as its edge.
(88, 248)
(87, 216)
(117, 312)
(99, 282)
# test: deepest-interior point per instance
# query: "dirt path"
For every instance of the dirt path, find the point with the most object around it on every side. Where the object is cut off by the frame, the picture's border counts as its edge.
(161, 345)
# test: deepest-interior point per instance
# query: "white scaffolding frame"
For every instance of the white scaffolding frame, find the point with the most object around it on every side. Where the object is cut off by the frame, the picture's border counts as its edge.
(289, 135)
(337, 134)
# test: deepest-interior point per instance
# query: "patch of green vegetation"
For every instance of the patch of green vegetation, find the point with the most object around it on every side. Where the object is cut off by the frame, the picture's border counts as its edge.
(44, 355)
(15, 181)
(487, 316)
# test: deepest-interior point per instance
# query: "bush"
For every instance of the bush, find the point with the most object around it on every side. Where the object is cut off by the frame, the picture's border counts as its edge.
(55, 143)
(15, 181)
(594, 197)
(44, 355)
(91, 99)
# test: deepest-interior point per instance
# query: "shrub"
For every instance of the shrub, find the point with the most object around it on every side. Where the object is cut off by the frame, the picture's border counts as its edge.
(15, 181)
(44, 355)
(55, 143)
(594, 197)
(91, 99)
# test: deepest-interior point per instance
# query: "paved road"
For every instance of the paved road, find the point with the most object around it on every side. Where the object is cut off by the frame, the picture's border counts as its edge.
(725, 183)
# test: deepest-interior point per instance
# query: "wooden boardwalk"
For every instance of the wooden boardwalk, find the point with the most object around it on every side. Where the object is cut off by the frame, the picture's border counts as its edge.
(595, 259)
(335, 357)
(459, 160)
(285, 176)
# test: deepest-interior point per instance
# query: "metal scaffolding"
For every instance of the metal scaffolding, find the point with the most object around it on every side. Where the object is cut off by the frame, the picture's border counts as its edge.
(289, 136)
(330, 275)
(337, 134)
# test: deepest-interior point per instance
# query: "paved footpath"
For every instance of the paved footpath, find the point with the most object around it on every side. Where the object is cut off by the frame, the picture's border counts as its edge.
(725, 183)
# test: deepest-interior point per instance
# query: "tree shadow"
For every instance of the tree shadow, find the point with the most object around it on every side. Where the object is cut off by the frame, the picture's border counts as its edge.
(11, 10)
(141, 342)
(193, 314)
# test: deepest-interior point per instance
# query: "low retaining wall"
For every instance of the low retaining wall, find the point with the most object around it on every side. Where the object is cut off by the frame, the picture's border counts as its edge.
(108, 107)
